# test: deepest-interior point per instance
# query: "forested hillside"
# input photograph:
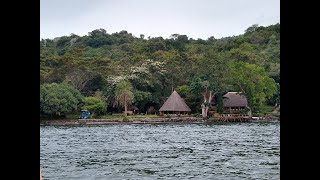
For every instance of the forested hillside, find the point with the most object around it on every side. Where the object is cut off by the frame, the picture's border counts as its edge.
(86, 71)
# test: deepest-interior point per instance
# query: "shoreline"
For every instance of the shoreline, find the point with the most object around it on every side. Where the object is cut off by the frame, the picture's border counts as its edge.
(176, 120)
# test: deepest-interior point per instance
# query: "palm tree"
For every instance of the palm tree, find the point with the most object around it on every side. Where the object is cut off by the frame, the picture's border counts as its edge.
(123, 94)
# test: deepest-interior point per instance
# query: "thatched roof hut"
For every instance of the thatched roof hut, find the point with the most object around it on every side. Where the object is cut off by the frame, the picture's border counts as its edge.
(235, 104)
(234, 99)
(174, 105)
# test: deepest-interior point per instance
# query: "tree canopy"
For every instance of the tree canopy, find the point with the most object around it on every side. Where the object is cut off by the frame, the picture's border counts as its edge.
(253, 82)
(59, 98)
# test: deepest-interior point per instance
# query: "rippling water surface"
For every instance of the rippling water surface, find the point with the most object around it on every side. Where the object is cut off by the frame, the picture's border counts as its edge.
(144, 151)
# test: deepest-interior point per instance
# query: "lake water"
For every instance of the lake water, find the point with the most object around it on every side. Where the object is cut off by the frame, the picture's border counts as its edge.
(168, 151)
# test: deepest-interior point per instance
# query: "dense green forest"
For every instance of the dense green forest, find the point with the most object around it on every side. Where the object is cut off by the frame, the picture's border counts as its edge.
(99, 70)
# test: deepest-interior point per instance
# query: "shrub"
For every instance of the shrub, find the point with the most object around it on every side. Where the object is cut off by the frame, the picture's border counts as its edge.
(59, 98)
(95, 105)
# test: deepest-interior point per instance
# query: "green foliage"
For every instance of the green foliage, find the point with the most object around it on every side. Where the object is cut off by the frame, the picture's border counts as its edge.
(246, 52)
(266, 109)
(94, 105)
(275, 99)
(251, 28)
(244, 111)
(190, 95)
(153, 66)
(219, 102)
(124, 94)
(141, 98)
(196, 86)
(59, 98)
(184, 91)
(198, 115)
(253, 82)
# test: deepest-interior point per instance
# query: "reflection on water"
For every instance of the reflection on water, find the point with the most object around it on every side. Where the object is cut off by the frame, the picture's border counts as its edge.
(199, 151)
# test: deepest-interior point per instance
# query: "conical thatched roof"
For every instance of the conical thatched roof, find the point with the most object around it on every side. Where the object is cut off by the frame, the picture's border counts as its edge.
(175, 103)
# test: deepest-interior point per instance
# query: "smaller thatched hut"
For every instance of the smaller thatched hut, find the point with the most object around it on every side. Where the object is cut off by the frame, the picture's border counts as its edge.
(174, 105)
(234, 103)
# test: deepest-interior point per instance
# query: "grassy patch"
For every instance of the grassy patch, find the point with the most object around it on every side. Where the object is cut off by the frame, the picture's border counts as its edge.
(73, 116)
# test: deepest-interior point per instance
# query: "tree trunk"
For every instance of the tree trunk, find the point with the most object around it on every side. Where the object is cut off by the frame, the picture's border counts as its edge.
(205, 111)
(210, 96)
(205, 108)
(204, 115)
(125, 106)
(249, 113)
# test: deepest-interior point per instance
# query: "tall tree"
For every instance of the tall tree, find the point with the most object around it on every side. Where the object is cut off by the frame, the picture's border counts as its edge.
(79, 78)
(253, 82)
(124, 94)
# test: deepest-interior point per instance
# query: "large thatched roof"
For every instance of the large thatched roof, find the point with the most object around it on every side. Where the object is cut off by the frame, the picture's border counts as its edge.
(234, 99)
(175, 103)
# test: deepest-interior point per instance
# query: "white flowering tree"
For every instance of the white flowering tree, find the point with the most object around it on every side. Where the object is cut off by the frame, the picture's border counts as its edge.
(148, 75)
(145, 80)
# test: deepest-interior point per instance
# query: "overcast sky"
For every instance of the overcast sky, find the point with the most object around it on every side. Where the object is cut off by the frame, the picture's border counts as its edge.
(194, 18)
